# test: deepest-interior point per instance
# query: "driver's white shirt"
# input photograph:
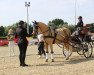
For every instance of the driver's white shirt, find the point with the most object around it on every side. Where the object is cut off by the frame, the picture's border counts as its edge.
(92, 37)
(40, 37)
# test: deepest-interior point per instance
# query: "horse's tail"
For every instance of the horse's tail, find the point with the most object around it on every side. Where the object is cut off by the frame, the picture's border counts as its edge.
(66, 43)
(67, 32)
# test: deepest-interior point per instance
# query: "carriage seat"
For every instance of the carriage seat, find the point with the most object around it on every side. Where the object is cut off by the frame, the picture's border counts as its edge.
(83, 35)
(75, 39)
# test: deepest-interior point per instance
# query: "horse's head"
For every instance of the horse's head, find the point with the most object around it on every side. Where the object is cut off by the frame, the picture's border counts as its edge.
(39, 27)
(35, 27)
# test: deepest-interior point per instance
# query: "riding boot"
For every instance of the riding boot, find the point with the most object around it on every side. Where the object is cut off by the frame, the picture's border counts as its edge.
(20, 61)
(43, 52)
(23, 63)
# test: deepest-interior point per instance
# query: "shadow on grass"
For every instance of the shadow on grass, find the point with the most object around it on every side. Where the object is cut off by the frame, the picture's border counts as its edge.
(74, 60)
(78, 59)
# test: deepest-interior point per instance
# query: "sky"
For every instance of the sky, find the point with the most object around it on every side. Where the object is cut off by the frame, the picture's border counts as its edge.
(11, 11)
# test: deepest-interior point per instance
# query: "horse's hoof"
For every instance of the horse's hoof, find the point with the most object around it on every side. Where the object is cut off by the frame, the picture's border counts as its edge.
(52, 60)
(67, 58)
(46, 60)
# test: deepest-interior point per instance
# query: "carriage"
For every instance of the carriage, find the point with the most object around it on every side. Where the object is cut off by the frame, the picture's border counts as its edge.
(82, 44)
(83, 48)
(62, 37)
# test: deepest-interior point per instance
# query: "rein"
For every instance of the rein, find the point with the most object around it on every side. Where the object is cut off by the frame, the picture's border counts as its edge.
(49, 34)
(66, 38)
(55, 34)
(54, 37)
(49, 30)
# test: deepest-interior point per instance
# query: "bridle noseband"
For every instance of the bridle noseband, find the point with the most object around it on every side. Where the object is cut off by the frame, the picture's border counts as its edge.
(35, 28)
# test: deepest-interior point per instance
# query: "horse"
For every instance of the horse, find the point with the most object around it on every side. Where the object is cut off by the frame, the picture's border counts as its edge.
(52, 36)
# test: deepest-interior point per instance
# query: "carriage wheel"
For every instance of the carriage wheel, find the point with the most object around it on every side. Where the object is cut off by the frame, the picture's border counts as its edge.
(87, 50)
(80, 50)
(92, 42)
(66, 52)
(63, 50)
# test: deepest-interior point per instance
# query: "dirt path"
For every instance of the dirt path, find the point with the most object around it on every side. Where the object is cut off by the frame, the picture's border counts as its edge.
(77, 65)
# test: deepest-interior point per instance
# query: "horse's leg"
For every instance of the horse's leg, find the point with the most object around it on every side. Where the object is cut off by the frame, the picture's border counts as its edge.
(69, 52)
(52, 53)
(46, 52)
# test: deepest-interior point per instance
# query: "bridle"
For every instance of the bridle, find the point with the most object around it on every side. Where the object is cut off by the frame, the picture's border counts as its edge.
(36, 27)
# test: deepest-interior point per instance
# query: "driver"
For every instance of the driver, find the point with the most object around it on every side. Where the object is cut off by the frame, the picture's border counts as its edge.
(78, 27)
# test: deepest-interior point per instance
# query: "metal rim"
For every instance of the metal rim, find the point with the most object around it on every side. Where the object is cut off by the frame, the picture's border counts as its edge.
(66, 52)
(87, 53)
(80, 52)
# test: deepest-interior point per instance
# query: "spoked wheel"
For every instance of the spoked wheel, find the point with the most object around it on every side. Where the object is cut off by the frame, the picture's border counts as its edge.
(63, 50)
(80, 50)
(92, 42)
(87, 50)
(66, 53)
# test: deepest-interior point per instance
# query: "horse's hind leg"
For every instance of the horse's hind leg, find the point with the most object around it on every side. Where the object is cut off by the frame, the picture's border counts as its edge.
(52, 53)
(47, 52)
(68, 50)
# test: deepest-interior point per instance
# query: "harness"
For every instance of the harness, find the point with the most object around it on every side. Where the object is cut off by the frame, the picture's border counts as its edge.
(52, 33)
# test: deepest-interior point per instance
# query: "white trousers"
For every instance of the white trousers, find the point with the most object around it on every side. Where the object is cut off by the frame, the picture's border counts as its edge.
(11, 47)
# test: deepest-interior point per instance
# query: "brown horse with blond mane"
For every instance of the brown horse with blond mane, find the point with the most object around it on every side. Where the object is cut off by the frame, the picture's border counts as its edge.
(53, 36)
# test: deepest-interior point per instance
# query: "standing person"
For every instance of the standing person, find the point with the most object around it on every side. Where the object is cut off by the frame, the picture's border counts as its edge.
(21, 32)
(10, 38)
(41, 44)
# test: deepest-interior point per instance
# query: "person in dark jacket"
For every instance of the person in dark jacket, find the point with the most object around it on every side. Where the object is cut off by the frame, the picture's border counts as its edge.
(78, 30)
(21, 32)
(79, 25)
(80, 22)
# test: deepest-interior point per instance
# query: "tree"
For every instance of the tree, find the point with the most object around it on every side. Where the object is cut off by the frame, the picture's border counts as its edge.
(91, 28)
(13, 26)
(2, 31)
(72, 28)
(56, 23)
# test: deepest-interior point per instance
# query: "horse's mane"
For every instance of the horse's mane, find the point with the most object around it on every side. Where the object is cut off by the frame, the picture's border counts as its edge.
(41, 23)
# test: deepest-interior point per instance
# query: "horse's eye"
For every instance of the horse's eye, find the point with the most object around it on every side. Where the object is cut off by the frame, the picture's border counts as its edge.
(36, 27)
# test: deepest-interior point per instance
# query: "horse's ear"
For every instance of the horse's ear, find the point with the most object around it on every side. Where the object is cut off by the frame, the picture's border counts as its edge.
(36, 22)
(33, 22)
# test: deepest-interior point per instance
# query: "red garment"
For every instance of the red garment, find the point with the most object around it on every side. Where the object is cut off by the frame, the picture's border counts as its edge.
(3, 42)
(16, 39)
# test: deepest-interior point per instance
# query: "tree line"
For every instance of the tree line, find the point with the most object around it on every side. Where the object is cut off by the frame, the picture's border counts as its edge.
(55, 23)
(4, 29)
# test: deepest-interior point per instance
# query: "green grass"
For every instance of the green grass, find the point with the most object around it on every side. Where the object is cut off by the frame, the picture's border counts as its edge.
(3, 37)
